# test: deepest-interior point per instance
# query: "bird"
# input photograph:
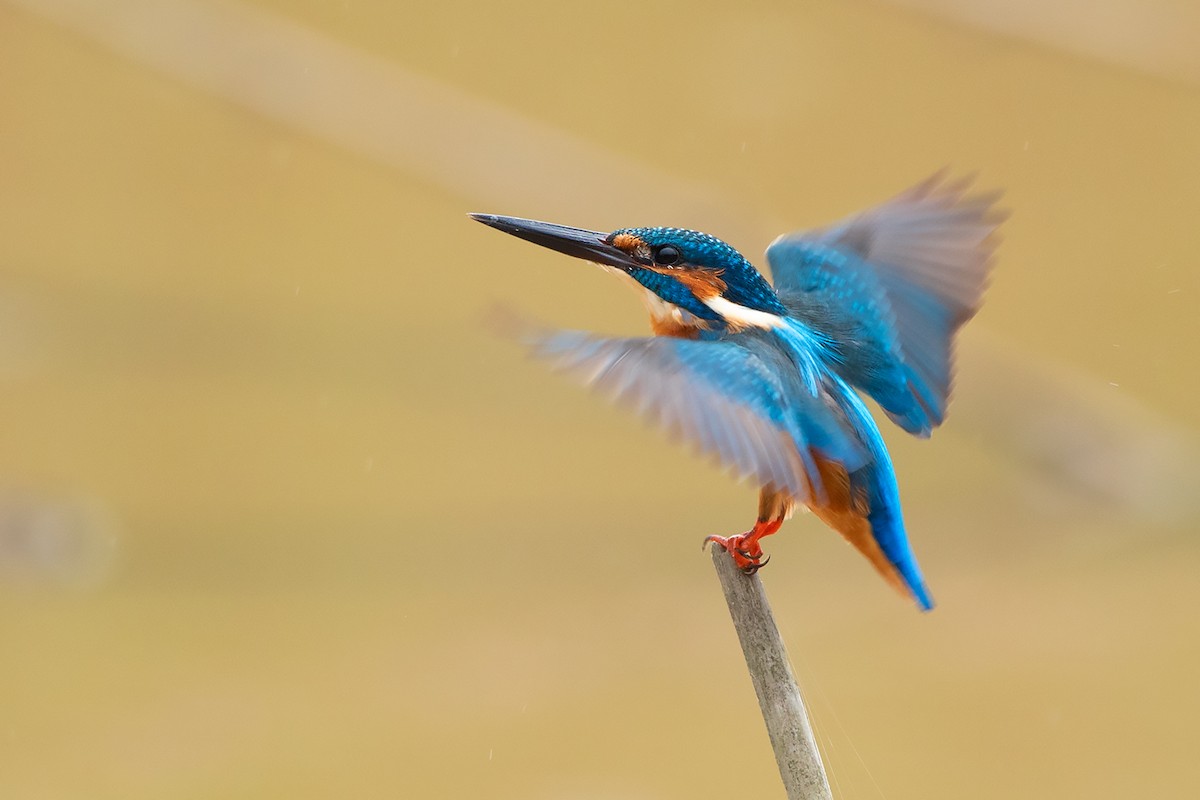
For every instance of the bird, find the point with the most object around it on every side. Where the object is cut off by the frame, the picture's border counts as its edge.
(765, 375)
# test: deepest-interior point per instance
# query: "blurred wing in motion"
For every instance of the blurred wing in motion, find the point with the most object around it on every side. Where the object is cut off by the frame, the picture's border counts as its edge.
(890, 286)
(732, 399)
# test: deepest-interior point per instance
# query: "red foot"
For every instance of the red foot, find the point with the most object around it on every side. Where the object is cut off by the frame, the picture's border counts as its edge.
(747, 553)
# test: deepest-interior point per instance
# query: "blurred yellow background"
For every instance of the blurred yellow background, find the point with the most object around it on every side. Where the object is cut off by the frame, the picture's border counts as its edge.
(279, 518)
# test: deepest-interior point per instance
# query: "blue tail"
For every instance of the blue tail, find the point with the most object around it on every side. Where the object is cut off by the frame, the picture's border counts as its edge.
(879, 480)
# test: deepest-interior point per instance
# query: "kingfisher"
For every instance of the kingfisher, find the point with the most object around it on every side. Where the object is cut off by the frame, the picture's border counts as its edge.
(763, 375)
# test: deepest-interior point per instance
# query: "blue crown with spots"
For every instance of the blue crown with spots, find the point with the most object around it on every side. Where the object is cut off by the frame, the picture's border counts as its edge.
(745, 285)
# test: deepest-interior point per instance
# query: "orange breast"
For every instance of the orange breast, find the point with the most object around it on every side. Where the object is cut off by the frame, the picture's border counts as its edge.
(845, 510)
(673, 326)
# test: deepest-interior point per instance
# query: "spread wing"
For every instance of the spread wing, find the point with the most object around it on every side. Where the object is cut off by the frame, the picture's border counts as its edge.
(891, 285)
(731, 400)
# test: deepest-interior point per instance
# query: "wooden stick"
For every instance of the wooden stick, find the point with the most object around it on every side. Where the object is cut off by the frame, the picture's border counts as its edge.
(771, 673)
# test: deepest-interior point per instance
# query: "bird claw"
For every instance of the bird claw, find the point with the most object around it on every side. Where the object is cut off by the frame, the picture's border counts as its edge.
(747, 559)
(755, 567)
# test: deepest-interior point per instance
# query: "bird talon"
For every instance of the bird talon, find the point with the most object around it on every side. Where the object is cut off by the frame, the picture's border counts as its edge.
(753, 568)
(744, 549)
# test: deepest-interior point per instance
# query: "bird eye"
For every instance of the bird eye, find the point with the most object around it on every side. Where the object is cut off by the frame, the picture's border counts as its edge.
(666, 256)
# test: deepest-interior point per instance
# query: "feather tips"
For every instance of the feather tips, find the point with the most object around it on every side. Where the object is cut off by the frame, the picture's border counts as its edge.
(717, 395)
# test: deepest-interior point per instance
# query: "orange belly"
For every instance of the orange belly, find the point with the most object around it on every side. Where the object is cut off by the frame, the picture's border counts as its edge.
(845, 509)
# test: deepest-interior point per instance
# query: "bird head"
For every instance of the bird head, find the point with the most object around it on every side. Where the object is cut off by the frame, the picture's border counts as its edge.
(686, 269)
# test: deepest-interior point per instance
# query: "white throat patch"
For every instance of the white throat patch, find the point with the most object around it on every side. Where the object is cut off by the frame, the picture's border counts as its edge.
(666, 312)
(740, 316)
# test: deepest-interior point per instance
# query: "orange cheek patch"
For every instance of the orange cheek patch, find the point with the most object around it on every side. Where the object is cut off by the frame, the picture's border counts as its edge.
(702, 282)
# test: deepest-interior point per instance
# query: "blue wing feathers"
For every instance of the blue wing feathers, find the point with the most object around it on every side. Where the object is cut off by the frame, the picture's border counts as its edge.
(891, 286)
(734, 399)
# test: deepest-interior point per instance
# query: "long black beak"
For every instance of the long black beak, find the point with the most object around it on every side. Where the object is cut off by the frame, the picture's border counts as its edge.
(585, 244)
